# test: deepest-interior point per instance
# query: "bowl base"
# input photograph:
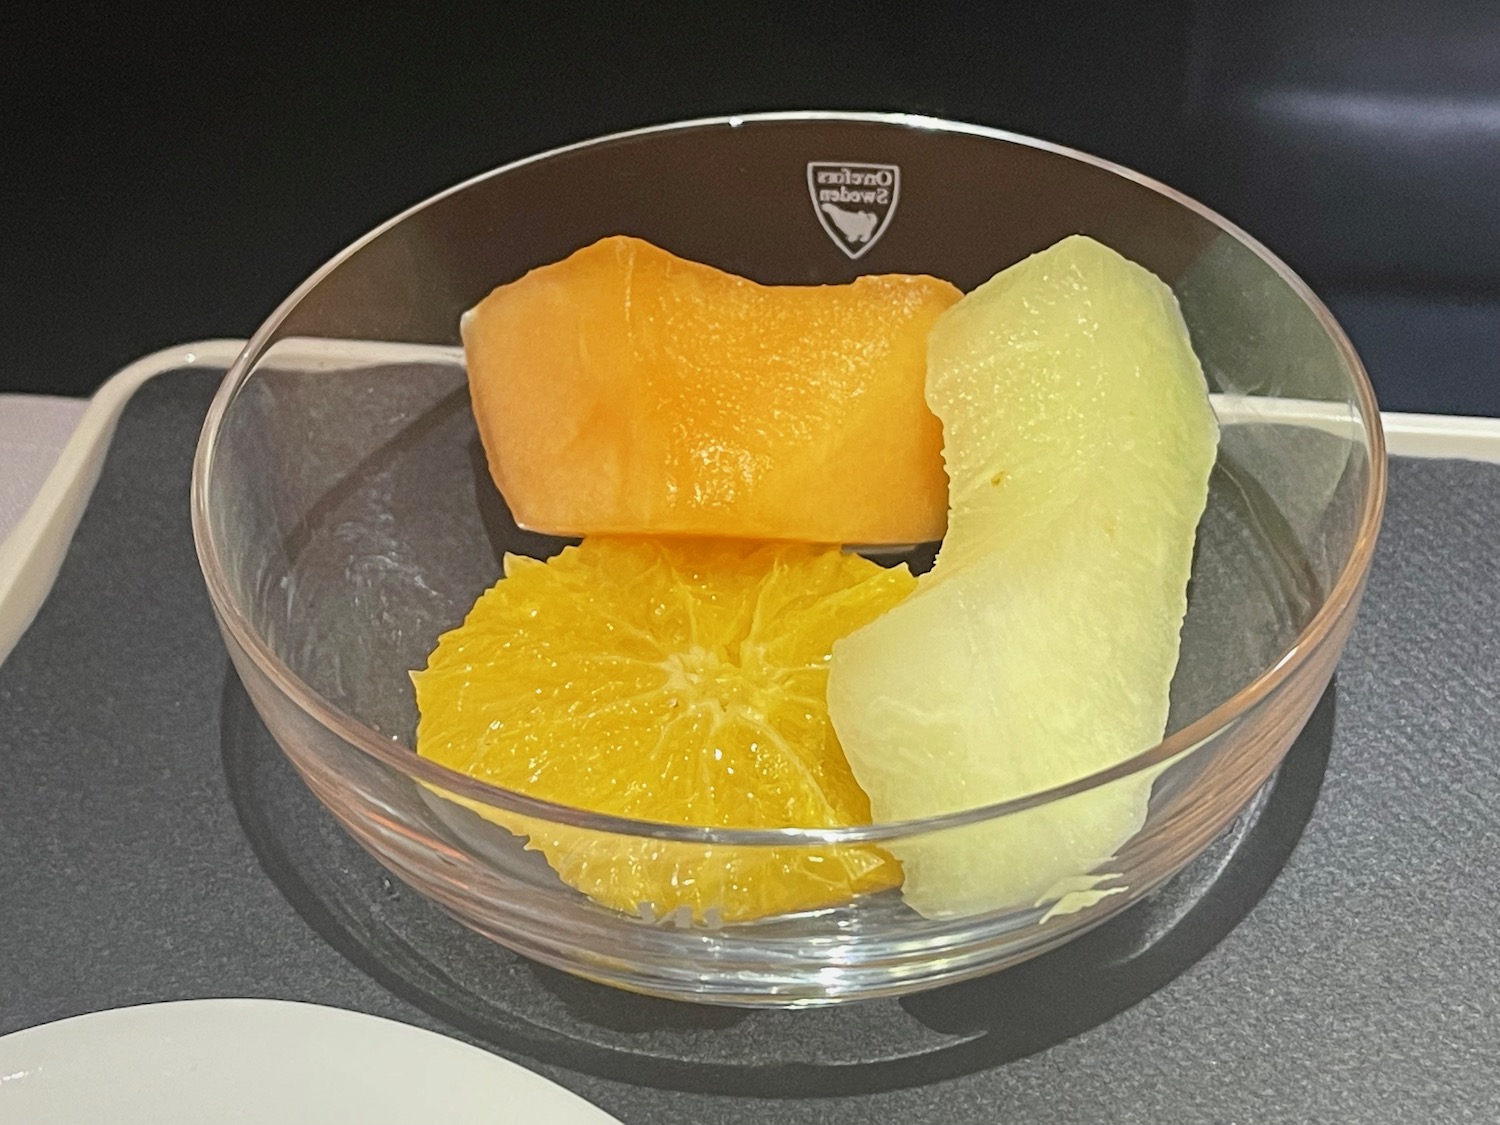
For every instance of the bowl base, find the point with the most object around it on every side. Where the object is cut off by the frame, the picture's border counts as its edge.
(489, 993)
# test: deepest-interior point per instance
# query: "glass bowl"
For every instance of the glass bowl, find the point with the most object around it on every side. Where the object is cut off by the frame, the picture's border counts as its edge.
(344, 519)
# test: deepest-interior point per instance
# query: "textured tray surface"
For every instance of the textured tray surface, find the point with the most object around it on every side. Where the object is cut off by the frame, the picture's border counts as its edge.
(1363, 987)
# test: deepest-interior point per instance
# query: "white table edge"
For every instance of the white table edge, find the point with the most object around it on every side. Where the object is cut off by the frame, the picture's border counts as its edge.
(31, 555)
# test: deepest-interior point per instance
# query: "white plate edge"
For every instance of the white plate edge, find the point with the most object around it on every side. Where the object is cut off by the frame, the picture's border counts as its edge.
(157, 1019)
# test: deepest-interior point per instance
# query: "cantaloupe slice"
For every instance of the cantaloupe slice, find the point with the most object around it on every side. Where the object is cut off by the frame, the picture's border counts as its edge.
(624, 390)
(1041, 647)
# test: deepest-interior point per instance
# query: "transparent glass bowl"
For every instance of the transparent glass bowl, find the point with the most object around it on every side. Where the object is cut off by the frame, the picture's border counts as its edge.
(344, 519)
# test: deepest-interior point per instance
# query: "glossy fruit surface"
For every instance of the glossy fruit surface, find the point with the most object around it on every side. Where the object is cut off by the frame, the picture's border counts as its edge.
(678, 681)
(624, 390)
(1041, 647)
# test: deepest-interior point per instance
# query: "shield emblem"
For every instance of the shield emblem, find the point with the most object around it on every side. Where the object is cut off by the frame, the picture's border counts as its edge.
(854, 202)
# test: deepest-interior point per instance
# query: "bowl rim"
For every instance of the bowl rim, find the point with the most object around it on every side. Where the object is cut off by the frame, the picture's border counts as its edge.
(1344, 591)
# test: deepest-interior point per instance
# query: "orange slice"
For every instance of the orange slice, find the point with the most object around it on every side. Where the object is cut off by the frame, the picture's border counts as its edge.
(679, 681)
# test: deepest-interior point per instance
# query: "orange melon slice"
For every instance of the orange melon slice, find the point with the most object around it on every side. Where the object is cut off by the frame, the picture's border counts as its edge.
(625, 391)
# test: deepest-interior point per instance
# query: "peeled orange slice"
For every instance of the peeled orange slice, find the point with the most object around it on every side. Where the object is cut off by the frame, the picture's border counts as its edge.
(624, 390)
(679, 681)
(1041, 647)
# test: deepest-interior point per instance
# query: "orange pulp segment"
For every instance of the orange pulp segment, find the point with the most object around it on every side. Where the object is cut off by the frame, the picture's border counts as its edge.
(679, 681)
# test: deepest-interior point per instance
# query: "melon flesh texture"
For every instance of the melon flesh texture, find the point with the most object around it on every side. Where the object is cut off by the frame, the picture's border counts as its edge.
(626, 391)
(1078, 438)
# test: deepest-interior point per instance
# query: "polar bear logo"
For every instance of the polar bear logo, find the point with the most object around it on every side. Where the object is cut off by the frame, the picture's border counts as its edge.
(856, 226)
(853, 201)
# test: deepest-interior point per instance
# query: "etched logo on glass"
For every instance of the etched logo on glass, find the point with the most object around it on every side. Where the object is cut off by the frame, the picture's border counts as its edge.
(854, 202)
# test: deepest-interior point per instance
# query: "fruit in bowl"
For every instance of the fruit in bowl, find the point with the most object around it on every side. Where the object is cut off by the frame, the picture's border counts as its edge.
(677, 680)
(626, 391)
(1041, 647)
(709, 656)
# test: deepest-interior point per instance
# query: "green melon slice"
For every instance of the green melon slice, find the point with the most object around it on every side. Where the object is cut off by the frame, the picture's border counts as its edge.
(1078, 440)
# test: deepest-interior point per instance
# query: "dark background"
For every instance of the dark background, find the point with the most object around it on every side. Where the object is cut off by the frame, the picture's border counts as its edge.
(171, 172)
